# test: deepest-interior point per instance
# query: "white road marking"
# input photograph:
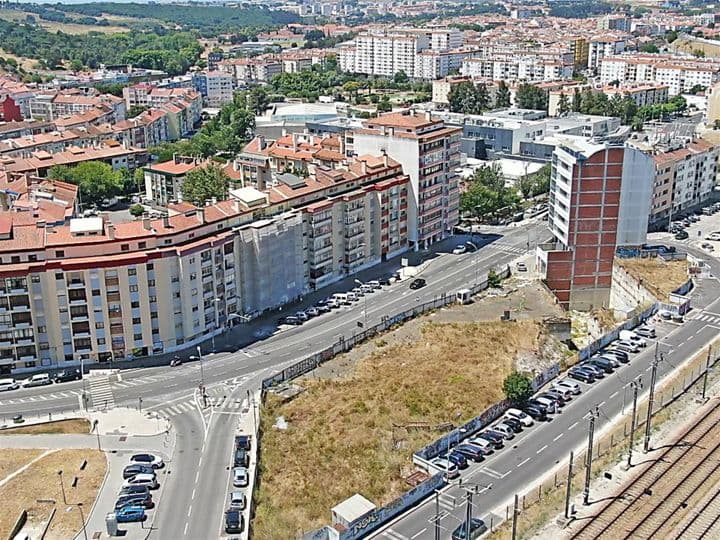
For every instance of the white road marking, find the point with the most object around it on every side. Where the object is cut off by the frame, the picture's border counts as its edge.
(613, 395)
(575, 424)
(189, 511)
(192, 497)
(186, 528)
(556, 438)
(541, 450)
(523, 462)
(418, 534)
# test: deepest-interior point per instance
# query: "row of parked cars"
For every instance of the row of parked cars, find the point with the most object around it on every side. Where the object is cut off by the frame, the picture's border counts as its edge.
(614, 355)
(234, 522)
(335, 301)
(41, 379)
(541, 406)
(139, 478)
(683, 221)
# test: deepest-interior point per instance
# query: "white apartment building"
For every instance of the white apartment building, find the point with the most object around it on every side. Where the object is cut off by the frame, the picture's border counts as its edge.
(602, 46)
(526, 68)
(678, 73)
(220, 88)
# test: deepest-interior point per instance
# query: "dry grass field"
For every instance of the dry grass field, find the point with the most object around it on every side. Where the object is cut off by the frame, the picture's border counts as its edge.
(52, 26)
(351, 434)
(76, 425)
(658, 276)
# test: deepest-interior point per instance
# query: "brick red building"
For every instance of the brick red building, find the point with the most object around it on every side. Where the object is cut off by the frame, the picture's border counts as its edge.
(599, 199)
(9, 110)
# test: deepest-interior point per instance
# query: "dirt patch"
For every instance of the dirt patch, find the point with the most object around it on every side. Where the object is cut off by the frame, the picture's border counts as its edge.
(363, 414)
(41, 481)
(12, 460)
(76, 425)
(658, 276)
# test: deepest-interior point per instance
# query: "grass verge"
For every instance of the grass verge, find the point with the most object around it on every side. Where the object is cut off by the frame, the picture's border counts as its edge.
(357, 434)
(41, 482)
(75, 425)
(12, 459)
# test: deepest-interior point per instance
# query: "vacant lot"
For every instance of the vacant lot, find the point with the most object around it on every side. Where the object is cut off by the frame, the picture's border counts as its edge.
(12, 460)
(658, 276)
(357, 432)
(53, 26)
(76, 425)
(41, 481)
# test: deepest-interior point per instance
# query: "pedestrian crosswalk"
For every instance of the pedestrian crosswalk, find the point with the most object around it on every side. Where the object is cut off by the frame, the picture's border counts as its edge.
(100, 392)
(139, 381)
(177, 408)
(706, 317)
(216, 402)
(507, 248)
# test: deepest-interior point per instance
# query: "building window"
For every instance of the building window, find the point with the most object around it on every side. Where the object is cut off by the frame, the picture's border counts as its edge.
(101, 341)
(136, 320)
(133, 288)
(150, 266)
(42, 329)
(135, 304)
(124, 247)
(58, 275)
(151, 282)
(59, 254)
(132, 272)
(193, 275)
(153, 314)
(137, 337)
(142, 245)
(35, 279)
(96, 292)
(30, 364)
(99, 325)
(152, 299)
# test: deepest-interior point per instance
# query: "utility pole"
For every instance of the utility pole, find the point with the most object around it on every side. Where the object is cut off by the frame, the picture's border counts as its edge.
(705, 376)
(515, 515)
(200, 359)
(468, 512)
(62, 486)
(569, 486)
(437, 515)
(653, 376)
(636, 386)
(588, 457)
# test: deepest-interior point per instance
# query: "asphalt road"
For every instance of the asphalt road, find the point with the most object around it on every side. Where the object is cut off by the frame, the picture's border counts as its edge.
(537, 450)
(195, 495)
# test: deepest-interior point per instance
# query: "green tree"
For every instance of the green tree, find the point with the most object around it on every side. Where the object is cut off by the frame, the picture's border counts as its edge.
(576, 101)
(135, 110)
(493, 279)
(205, 183)
(628, 110)
(137, 210)
(529, 96)
(699, 53)
(535, 184)
(649, 48)
(487, 193)
(671, 35)
(502, 96)
(466, 98)
(563, 104)
(96, 180)
(400, 77)
(518, 387)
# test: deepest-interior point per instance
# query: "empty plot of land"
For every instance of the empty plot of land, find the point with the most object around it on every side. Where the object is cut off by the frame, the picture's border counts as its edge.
(12, 460)
(41, 482)
(658, 276)
(54, 26)
(75, 425)
(357, 433)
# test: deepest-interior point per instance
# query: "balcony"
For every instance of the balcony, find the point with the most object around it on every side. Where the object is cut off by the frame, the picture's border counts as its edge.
(349, 235)
(24, 342)
(20, 308)
(75, 284)
(6, 360)
(28, 358)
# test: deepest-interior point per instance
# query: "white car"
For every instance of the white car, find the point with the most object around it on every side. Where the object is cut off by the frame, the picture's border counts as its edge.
(520, 416)
(459, 249)
(483, 443)
(715, 237)
(238, 500)
(549, 403)
(151, 460)
(147, 480)
(521, 267)
(567, 384)
(240, 477)
(41, 379)
(8, 384)
(446, 466)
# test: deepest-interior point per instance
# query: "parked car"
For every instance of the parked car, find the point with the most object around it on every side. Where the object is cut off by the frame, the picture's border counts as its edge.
(152, 460)
(322, 307)
(456, 458)
(506, 431)
(39, 379)
(647, 332)
(233, 521)
(134, 500)
(418, 283)
(375, 284)
(596, 371)
(241, 458)
(290, 319)
(477, 529)
(560, 397)
(243, 442)
(623, 356)
(521, 267)
(494, 438)
(127, 514)
(302, 316)
(459, 249)
(549, 408)
(566, 384)
(603, 363)
(634, 337)
(581, 374)
(681, 235)
(240, 477)
(447, 467)
(632, 345)
(714, 236)
(147, 480)
(312, 312)
(676, 317)
(67, 375)
(608, 357)
(485, 446)
(515, 425)
(358, 292)
(238, 500)
(623, 347)
(470, 451)
(535, 412)
(520, 416)
(132, 470)
(8, 384)
(134, 490)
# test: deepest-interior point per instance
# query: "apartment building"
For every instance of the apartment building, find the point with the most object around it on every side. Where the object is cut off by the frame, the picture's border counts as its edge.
(441, 88)
(599, 200)
(96, 291)
(149, 128)
(252, 70)
(678, 73)
(429, 152)
(150, 96)
(54, 105)
(528, 67)
(216, 87)
(685, 177)
(163, 181)
(605, 45)
(641, 94)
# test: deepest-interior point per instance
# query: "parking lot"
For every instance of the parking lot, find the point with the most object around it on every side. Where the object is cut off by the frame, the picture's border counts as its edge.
(703, 231)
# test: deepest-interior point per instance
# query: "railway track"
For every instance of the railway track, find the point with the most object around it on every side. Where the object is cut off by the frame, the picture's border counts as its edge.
(704, 524)
(666, 490)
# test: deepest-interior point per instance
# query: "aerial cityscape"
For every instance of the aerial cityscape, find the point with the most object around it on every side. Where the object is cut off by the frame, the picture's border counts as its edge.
(359, 269)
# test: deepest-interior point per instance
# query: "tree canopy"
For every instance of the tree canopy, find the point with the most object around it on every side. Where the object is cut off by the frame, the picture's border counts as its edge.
(467, 98)
(205, 183)
(518, 387)
(487, 193)
(96, 180)
(529, 96)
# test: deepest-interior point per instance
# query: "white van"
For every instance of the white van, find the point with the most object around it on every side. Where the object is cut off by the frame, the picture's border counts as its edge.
(342, 299)
(8, 384)
(627, 335)
(463, 296)
(352, 297)
(41, 379)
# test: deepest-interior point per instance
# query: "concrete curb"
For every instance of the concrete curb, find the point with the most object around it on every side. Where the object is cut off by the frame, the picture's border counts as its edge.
(97, 497)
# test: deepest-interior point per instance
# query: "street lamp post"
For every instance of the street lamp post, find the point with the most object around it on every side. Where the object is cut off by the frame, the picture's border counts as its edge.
(200, 359)
(82, 518)
(62, 486)
(216, 301)
(364, 303)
